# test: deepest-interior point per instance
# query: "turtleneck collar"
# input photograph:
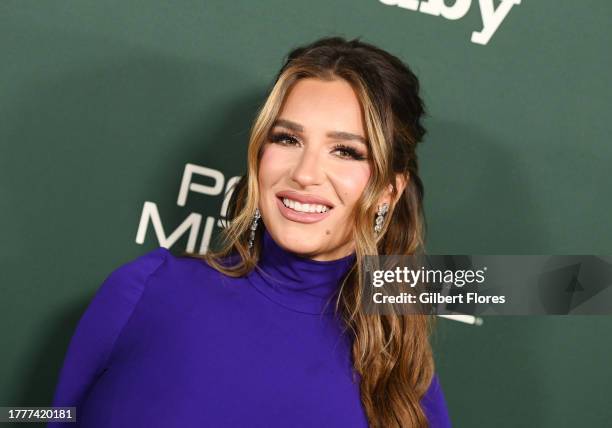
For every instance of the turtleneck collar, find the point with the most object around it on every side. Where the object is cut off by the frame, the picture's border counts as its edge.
(298, 283)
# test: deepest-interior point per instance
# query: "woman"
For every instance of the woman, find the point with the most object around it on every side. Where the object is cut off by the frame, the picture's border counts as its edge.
(268, 331)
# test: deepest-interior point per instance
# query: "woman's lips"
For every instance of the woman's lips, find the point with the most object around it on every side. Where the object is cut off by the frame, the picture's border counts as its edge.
(300, 217)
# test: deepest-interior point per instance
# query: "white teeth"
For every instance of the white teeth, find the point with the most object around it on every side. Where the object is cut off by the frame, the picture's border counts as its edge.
(305, 208)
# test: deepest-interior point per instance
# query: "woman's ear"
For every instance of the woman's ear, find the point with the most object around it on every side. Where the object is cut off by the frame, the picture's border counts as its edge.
(401, 181)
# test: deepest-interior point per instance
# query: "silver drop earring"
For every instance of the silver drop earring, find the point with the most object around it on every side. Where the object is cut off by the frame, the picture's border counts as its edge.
(256, 218)
(380, 217)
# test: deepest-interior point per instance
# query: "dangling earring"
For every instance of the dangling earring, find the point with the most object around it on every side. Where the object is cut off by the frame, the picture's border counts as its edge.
(380, 217)
(256, 217)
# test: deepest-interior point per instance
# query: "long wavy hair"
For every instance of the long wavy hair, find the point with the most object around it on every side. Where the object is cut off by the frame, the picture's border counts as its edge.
(391, 353)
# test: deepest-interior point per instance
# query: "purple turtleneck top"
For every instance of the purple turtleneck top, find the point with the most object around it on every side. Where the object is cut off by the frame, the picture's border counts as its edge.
(168, 341)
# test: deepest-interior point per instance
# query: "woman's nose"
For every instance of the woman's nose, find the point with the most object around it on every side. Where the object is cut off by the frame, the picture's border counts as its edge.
(308, 170)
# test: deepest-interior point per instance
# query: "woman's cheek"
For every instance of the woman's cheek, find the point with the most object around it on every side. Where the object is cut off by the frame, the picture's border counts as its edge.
(351, 181)
(271, 162)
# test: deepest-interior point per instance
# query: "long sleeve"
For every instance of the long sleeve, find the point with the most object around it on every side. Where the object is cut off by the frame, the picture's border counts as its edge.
(100, 326)
(435, 405)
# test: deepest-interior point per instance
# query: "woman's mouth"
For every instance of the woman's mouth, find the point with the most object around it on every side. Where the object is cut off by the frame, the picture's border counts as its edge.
(302, 213)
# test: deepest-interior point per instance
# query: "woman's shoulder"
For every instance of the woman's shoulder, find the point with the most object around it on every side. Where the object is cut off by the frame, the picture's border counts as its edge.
(126, 283)
(123, 286)
(160, 261)
(138, 269)
(162, 275)
(161, 271)
(101, 324)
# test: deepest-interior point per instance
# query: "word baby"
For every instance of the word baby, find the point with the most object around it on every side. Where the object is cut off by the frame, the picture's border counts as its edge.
(491, 17)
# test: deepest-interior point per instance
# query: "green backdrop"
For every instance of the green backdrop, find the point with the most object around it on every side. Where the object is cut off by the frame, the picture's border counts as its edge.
(103, 104)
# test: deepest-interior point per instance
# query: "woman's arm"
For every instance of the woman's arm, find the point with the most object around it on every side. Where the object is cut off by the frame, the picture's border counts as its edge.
(100, 326)
(435, 405)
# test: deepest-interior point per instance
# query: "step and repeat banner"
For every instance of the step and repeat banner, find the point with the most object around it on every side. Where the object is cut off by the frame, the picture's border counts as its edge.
(123, 124)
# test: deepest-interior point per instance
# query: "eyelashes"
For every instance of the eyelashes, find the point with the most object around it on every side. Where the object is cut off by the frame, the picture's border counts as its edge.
(289, 140)
(282, 138)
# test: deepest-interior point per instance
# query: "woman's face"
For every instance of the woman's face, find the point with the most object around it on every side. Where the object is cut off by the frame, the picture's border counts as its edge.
(316, 154)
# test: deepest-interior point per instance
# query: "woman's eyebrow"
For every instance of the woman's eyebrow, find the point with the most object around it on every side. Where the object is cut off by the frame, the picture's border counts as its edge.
(288, 124)
(338, 135)
(341, 135)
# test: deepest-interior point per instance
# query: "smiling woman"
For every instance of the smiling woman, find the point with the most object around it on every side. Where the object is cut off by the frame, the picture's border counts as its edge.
(333, 172)
(268, 331)
(316, 154)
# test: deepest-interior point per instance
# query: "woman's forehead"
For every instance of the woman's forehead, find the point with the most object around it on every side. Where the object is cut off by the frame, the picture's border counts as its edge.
(318, 105)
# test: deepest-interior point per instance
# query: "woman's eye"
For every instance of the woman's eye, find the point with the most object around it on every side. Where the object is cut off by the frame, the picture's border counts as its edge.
(348, 152)
(284, 139)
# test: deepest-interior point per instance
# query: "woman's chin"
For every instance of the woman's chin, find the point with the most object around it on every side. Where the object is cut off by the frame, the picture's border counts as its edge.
(300, 242)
